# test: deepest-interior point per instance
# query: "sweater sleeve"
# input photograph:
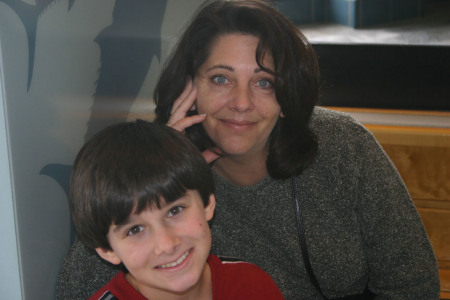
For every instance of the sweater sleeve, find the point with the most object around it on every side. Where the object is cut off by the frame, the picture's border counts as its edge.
(400, 258)
(401, 261)
(361, 225)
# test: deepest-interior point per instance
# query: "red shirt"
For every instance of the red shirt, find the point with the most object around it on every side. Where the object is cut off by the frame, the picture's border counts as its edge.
(230, 280)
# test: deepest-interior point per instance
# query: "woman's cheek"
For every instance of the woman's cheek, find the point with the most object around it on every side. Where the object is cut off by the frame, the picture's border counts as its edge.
(212, 99)
(201, 101)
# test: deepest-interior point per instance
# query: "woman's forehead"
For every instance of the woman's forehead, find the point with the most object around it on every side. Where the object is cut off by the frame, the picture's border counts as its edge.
(234, 48)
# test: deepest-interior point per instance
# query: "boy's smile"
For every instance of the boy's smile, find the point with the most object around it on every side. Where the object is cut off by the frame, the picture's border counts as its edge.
(176, 263)
(165, 250)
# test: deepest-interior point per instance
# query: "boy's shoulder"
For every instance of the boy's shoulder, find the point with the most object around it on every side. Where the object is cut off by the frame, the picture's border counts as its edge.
(233, 278)
(232, 269)
(117, 288)
(232, 264)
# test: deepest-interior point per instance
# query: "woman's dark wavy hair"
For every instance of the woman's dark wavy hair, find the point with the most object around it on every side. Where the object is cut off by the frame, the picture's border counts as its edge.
(292, 145)
(127, 168)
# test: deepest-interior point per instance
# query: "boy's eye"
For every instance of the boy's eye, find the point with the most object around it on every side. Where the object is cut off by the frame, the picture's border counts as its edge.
(135, 230)
(220, 79)
(175, 211)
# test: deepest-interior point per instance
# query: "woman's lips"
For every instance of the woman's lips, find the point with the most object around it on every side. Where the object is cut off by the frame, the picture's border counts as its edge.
(237, 125)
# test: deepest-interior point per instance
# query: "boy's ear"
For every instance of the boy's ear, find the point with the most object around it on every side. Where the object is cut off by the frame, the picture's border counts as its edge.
(209, 210)
(108, 255)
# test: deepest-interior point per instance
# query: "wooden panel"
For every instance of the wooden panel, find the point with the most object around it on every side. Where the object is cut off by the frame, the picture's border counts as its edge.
(444, 274)
(411, 136)
(425, 170)
(422, 156)
(390, 111)
(437, 224)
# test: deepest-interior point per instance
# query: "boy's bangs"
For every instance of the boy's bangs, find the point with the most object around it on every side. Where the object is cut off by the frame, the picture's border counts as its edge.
(154, 189)
(160, 194)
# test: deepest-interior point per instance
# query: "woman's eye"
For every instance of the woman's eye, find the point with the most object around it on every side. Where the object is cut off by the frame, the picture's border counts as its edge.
(264, 83)
(175, 211)
(135, 230)
(220, 80)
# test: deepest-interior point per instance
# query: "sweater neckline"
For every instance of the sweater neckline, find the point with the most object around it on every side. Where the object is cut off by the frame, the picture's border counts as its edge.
(219, 180)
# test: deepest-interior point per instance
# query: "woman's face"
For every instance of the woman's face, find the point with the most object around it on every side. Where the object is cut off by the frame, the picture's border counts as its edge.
(237, 97)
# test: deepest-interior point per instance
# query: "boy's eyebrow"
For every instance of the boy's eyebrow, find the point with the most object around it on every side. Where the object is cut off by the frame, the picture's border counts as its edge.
(118, 227)
(129, 219)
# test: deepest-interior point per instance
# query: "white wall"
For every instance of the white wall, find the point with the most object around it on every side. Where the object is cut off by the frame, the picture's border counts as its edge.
(9, 260)
(43, 127)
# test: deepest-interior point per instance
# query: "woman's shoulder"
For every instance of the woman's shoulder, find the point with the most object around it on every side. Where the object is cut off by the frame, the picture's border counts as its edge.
(343, 139)
(337, 127)
(324, 117)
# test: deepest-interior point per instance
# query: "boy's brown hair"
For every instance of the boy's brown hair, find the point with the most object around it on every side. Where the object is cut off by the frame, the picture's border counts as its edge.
(127, 168)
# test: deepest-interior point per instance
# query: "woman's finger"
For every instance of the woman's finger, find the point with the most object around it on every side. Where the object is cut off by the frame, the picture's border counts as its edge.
(211, 155)
(187, 90)
(186, 122)
(182, 105)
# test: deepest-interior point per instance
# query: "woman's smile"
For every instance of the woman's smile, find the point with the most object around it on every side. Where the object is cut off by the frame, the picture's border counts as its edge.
(237, 125)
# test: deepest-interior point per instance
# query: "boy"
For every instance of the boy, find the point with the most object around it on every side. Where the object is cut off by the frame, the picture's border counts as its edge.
(141, 195)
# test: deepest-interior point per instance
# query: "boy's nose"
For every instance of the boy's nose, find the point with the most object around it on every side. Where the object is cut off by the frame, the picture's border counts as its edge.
(166, 241)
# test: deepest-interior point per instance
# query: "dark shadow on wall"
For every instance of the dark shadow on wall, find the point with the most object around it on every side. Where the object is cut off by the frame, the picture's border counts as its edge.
(29, 15)
(127, 48)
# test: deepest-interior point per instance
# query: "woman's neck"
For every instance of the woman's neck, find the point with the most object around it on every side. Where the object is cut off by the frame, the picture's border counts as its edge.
(241, 171)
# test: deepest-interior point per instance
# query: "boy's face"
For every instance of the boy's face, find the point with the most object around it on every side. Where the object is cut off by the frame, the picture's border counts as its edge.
(165, 250)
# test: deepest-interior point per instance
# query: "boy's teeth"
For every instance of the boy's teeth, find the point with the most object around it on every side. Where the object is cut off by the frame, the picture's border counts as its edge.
(176, 263)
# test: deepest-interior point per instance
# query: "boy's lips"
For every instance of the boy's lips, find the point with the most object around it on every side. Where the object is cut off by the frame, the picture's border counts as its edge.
(175, 263)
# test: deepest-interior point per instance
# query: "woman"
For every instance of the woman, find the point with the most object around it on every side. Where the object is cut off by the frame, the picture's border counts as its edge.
(243, 83)
(252, 83)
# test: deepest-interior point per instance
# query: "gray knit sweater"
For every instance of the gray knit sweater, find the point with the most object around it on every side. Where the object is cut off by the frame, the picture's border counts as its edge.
(359, 221)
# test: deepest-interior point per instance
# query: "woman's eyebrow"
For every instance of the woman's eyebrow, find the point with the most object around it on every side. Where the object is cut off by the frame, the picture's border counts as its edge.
(228, 68)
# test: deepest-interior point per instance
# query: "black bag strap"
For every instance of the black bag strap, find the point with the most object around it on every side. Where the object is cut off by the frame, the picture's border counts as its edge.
(301, 236)
(366, 294)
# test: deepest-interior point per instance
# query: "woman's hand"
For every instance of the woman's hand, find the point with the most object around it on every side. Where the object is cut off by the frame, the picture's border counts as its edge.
(179, 121)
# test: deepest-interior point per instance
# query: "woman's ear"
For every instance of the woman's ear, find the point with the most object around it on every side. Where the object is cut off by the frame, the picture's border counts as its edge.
(108, 255)
(282, 115)
(209, 209)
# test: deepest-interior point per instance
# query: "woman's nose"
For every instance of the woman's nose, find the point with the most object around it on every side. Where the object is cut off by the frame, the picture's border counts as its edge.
(241, 99)
(166, 241)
